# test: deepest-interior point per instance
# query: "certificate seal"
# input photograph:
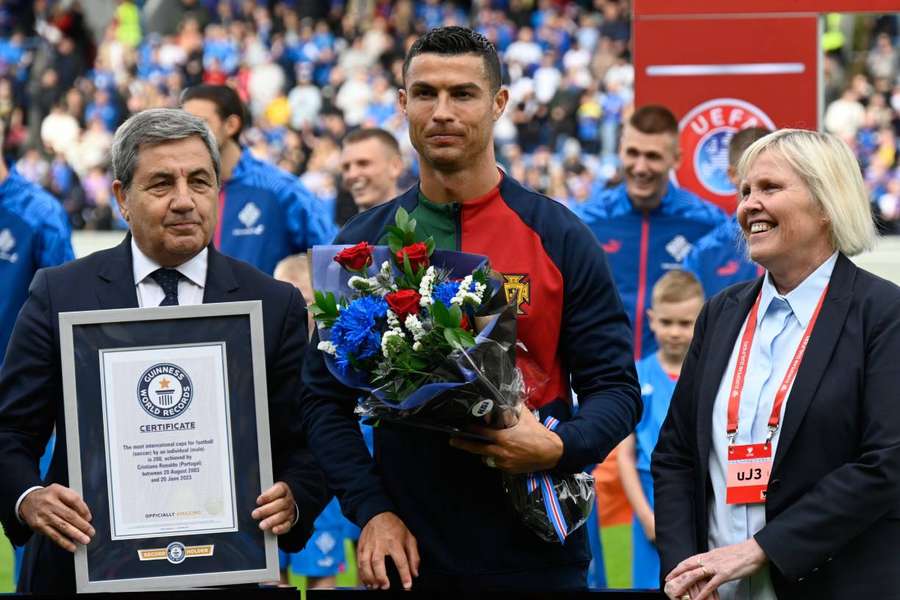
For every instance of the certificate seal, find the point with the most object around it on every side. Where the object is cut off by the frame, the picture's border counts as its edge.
(165, 391)
(175, 553)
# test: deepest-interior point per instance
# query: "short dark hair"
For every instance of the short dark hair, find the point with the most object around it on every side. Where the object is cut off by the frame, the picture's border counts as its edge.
(452, 41)
(742, 140)
(654, 118)
(372, 133)
(224, 97)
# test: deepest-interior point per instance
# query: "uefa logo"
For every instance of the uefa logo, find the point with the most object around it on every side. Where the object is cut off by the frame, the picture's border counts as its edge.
(705, 132)
(175, 553)
(165, 391)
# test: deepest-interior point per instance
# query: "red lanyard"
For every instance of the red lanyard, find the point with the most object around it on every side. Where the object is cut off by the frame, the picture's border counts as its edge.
(740, 370)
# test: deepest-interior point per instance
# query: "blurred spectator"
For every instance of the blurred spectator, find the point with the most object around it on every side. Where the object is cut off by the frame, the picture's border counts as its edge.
(309, 70)
(60, 130)
(883, 61)
(845, 116)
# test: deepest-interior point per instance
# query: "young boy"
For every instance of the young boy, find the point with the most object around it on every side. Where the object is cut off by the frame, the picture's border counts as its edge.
(676, 302)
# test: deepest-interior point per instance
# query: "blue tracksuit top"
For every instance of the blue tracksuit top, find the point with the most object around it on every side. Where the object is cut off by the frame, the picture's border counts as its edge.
(266, 214)
(452, 502)
(34, 233)
(719, 259)
(656, 393)
(641, 246)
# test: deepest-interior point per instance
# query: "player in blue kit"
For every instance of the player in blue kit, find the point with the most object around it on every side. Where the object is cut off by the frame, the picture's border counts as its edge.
(265, 213)
(676, 301)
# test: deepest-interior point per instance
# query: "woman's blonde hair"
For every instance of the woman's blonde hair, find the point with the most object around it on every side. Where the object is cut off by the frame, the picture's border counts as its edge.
(831, 174)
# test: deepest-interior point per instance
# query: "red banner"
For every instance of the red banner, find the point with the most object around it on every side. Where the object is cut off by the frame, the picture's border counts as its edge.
(720, 75)
(722, 7)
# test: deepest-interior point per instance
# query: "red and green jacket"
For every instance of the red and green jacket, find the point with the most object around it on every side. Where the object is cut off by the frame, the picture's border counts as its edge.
(572, 322)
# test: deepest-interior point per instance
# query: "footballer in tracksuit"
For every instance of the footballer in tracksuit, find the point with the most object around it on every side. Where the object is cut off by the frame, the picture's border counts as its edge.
(34, 233)
(447, 492)
(642, 245)
(264, 213)
(573, 325)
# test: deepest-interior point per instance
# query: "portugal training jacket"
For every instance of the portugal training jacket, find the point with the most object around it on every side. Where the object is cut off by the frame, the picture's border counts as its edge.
(572, 322)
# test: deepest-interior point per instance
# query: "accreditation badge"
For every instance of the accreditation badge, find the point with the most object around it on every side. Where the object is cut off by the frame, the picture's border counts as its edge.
(749, 467)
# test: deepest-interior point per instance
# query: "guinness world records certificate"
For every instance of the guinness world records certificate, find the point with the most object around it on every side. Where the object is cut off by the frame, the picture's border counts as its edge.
(167, 438)
(169, 453)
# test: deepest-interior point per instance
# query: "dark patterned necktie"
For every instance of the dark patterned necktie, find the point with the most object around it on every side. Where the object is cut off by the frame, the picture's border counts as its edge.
(168, 281)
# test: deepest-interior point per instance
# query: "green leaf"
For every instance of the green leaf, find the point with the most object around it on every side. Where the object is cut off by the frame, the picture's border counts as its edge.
(394, 244)
(441, 314)
(396, 231)
(455, 316)
(407, 267)
(429, 245)
(452, 338)
(401, 218)
(466, 338)
(411, 227)
(330, 303)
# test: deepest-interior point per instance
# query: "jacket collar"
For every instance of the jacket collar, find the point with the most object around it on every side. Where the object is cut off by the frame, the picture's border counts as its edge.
(118, 291)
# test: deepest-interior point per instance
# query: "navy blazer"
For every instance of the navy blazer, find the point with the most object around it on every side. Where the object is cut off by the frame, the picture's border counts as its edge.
(833, 505)
(31, 398)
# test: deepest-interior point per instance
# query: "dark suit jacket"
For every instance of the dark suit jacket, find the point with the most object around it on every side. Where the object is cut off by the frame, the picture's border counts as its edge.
(833, 507)
(31, 398)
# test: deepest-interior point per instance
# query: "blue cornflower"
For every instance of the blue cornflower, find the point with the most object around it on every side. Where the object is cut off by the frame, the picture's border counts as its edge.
(355, 332)
(445, 292)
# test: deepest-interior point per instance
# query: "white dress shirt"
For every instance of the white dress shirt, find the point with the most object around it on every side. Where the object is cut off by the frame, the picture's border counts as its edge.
(190, 287)
(781, 324)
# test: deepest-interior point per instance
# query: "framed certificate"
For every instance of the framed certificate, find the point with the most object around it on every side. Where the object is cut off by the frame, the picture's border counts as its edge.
(168, 443)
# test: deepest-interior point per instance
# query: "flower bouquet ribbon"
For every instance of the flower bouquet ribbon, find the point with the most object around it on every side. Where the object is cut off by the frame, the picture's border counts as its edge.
(551, 505)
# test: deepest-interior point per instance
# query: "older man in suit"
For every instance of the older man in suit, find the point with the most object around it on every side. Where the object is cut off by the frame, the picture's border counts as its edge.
(166, 166)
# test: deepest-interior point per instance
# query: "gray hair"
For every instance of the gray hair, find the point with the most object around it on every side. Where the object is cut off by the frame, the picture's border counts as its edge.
(832, 175)
(156, 126)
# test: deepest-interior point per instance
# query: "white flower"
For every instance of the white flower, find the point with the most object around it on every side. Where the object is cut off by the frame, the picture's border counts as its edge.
(359, 283)
(426, 286)
(414, 326)
(387, 340)
(327, 348)
(465, 293)
(417, 346)
(392, 319)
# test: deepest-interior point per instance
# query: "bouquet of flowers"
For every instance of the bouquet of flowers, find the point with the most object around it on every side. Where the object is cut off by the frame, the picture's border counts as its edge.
(430, 337)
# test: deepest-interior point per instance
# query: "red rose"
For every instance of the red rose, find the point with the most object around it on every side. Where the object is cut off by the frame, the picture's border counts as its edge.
(417, 253)
(464, 323)
(356, 258)
(403, 303)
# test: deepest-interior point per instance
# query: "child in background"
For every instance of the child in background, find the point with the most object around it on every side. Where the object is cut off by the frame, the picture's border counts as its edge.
(676, 303)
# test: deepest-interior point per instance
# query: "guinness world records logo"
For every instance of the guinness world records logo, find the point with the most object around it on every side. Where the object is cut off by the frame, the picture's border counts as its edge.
(704, 134)
(165, 391)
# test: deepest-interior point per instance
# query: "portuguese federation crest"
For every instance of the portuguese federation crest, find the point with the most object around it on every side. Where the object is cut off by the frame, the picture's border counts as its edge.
(704, 135)
(165, 391)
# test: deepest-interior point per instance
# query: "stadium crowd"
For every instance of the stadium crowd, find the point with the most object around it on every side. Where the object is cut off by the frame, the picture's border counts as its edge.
(311, 71)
